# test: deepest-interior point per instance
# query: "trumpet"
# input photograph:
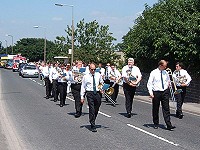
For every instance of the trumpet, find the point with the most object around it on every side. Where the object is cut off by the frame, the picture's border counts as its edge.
(107, 92)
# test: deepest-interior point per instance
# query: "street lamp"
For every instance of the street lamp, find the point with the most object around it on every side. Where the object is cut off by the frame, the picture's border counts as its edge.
(12, 41)
(6, 47)
(72, 50)
(45, 41)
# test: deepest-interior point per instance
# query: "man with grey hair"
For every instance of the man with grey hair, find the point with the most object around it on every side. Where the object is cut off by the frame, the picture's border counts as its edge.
(131, 77)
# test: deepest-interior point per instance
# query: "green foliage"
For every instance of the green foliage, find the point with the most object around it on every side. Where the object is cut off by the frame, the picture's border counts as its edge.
(33, 48)
(169, 30)
(92, 42)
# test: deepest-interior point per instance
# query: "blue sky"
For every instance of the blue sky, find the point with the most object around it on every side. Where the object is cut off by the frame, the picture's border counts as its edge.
(17, 17)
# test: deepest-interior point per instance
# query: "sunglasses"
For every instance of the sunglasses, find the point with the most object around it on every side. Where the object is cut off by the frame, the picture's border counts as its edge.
(92, 69)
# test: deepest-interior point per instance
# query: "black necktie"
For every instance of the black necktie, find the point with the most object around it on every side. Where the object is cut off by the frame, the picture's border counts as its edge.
(94, 85)
(162, 80)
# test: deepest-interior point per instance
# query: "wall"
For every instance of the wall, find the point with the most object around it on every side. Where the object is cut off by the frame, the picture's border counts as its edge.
(193, 91)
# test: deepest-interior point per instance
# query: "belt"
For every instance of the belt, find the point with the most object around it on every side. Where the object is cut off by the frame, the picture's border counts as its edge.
(75, 83)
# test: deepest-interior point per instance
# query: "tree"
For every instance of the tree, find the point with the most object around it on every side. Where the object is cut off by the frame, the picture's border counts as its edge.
(92, 42)
(33, 48)
(169, 30)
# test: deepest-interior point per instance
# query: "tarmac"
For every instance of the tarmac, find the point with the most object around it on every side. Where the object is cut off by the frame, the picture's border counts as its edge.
(193, 108)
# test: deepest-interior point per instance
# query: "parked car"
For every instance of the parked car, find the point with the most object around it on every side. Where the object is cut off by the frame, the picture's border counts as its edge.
(21, 65)
(29, 71)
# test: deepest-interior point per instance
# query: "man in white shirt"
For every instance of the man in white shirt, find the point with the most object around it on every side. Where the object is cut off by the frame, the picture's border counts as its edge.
(53, 77)
(131, 77)
(158, 87)
(182, 80)
(89, 88)
(114, 77)
(45, 72)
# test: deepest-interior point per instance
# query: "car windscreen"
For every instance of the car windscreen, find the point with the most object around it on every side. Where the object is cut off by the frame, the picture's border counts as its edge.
(29, 67)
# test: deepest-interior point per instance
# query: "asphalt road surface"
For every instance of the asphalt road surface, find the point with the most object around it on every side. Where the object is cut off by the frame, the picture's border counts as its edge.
(39, 124)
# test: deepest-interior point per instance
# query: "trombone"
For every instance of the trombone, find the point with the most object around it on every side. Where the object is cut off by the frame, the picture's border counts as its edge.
(175, 91)
(107, 92)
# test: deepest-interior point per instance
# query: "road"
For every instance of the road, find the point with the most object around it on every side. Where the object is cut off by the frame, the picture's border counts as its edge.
(40, 124)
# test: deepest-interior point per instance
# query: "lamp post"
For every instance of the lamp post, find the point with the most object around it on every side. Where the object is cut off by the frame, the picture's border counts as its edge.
(12, 41)
(6, 47)
(72, 50)
(45, 40)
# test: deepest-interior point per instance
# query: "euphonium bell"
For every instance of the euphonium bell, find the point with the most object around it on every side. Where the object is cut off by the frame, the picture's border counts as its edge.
(110, 91)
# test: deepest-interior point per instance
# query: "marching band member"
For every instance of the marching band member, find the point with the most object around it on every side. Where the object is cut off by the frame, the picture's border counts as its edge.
(106, 76)
(68, 70)
(62, 85)
(53, 77)
(182, 80)
(114, 77)
(158, 87)
(48, 84)
(129, 86)
(101, 70)
(89, 88)
(76, 88)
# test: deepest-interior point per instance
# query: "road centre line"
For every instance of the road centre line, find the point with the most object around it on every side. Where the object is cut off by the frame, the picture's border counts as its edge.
(153, 135)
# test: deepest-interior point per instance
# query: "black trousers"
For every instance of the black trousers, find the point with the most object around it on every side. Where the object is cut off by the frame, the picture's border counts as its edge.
(76, 89)
(106, 81)
(163, 97)
(48, 86)
(129, 92)
(180, 99)
(94, 102)
(62, 87)
(55, 89)
(116, 91)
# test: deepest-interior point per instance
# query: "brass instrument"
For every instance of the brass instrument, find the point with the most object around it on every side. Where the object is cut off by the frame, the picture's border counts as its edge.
(180, 79)
(107, 92)
(175, 91)
(131, 78)
(78, 75)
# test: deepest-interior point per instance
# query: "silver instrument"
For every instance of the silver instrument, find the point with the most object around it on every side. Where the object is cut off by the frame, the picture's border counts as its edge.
(131, 78)
(180, 79)
(175, 90)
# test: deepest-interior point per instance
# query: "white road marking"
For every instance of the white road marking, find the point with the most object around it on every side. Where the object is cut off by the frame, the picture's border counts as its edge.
(104, 114)
(153, 135)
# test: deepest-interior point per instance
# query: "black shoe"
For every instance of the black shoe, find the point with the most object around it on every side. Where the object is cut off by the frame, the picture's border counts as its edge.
(93, 129)
(61, 105)
(51, 96)
(128, 115)
(55, 100)
(47, 97)
(171, 128)
(180, 116)
(77, 115)
(155, 126)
